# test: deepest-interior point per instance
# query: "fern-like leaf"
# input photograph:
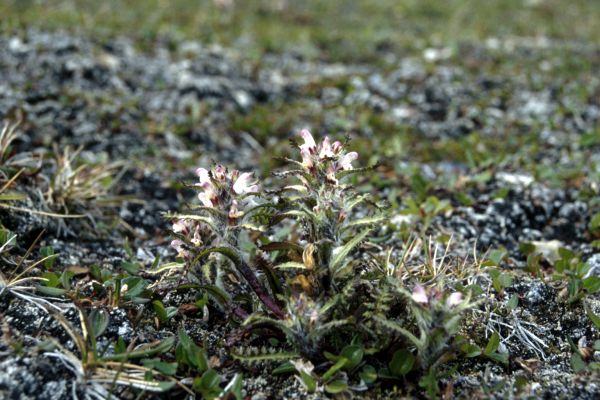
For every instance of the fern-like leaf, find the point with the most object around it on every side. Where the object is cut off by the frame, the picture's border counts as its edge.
(338, 259)
(253, 355)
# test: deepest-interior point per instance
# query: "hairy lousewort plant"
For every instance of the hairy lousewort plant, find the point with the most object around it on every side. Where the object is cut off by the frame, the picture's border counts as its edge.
(297, 247)
(324, 206)
(437, 316)
(227, 199)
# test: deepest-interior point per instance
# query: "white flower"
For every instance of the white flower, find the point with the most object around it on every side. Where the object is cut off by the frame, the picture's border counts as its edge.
(309, 141)
(178, 245)
(454, 299)
(419, 295)
(346, 160)
(244, 184)
(196, 240)
(306, 158)
(325, 151)
(303, 366)
(331, 175)
(180, 226)
(206, 198)
(220, 172)
(233, 210)
(204, 177)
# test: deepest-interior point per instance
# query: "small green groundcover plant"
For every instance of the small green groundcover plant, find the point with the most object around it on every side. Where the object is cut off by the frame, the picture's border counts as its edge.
(294, 266)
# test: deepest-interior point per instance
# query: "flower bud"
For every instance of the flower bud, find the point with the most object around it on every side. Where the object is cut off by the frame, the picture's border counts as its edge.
(419, 295)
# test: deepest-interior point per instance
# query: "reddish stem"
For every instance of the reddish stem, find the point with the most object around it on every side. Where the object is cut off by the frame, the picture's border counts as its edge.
(252, 280)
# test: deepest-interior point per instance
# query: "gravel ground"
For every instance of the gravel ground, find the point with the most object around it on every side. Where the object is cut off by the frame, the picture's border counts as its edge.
(529, 117)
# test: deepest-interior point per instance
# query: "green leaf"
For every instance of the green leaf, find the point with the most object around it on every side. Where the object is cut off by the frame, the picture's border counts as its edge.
(500, 280)
(354, 353)
(492, 345)
(50, 291)
(309, 382)
(276, 246)
(226, 251)
(159, 309)
(354, 171)
(217, 294)
(135, 287)
(52, 279)
(291, 265)
(470, 350)
(595, 224)
(234, 387)
(189, 353)
(591, 284)
(285, 368)
(163, 314)
(65, 279)
(210, 379)
(577, 363)
(573, 290)
(302, 214)
(7, 238)
(429, 382)
(165, 386)
(335, 387)
(338, 259)
(130, 268)
(263, 356)
(162, 347)
(160, 366)
(127, 248)
(98, 321)
(120, 346)
(513, 302)
(593, 317)
(398, 328)
(376, 219)
(402, 363)
(501, 358)
(527, 248)
(368, 374)
(100, 274)
(340, 363)
(48, 251)
(497, 255)
(13, 196)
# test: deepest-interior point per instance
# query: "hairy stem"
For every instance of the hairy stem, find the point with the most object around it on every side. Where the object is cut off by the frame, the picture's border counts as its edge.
(252, 280)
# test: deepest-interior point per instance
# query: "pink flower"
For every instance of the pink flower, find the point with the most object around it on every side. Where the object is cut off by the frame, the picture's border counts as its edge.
(419, 295)
(336, 147)
(245, 184)
(346, 160)
(220, 172)
(309, 141)
(326, 151)
(306, 158)
(454, 299)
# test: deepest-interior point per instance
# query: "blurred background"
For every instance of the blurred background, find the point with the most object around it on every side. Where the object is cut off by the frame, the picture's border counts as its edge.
(468, 84)
(333, 30)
